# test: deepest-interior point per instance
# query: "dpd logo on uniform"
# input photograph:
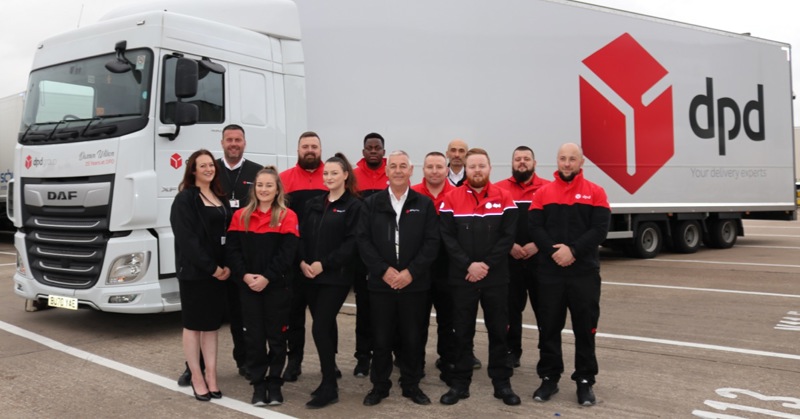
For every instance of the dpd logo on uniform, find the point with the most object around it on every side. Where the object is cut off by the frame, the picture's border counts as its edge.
(626, 114)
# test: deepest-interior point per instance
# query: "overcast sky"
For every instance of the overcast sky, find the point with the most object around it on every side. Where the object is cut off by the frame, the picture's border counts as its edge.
(25, 23)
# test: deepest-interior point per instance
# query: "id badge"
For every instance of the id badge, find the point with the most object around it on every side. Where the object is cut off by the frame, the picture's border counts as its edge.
(234, 203)
(222, 240)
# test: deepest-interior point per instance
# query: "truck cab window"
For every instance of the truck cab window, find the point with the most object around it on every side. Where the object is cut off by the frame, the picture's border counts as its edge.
(209, 98)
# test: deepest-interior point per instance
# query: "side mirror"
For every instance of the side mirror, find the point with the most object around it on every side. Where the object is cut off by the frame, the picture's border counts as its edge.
(186, 76)
(186, 114)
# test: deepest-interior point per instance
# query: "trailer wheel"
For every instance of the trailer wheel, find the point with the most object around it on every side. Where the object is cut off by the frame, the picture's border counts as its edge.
(722, 234)
(647, 241)
(686, 236)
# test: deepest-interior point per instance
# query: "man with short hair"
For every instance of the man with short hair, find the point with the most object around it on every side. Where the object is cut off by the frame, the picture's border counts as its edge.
(398, 239)
(302, 182)
(237, 176)
(478, 224)
(456, 152)
(569, 219)
(435, 186)
(371, 178)
(522, 185)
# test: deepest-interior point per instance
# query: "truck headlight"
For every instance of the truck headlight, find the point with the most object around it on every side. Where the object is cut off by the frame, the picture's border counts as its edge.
(128, 268)
(21, 266)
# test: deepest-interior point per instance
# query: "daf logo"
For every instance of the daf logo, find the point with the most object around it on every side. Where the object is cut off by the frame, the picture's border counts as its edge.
(62, 195)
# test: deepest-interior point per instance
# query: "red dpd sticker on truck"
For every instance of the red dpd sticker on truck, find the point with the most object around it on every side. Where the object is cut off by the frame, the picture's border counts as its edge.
(626, 132)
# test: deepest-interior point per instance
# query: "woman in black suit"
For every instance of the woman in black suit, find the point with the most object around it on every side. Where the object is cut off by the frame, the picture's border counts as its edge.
(200, 217)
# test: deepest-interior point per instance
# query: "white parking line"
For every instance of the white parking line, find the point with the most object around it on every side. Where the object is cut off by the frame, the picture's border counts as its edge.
(770, 247)
(712, 262)
(772, 235)
(158, 380)
(672, 287)
(8, 264)
(8, 253)
(669, 342)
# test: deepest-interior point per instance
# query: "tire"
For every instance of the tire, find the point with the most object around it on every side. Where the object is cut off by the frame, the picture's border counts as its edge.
(687, 236)
(647, 241)
(722, 234)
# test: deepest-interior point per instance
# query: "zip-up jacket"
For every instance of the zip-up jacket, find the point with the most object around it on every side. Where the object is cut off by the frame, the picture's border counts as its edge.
(478, 227)
(418, 245)
(302, 185)
(522, 194)
(574, 213)
(370, 181)
(440, 265)
(194, 242)
(328, 235)
(262, 249)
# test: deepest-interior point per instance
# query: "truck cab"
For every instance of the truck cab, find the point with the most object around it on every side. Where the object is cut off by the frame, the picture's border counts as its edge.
(112, 111)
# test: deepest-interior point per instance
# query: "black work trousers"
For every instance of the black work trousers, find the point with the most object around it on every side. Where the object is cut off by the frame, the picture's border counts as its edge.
(296, 337)
(363, 321)
(325, 301)
(441, 298)
(266, 319)
(403, 317)
(580, 294)
(233, 314)
(494, 302)
(521, 287)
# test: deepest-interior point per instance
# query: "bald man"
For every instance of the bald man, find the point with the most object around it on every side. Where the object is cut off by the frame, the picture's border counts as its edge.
(569, 219)
(456, 153)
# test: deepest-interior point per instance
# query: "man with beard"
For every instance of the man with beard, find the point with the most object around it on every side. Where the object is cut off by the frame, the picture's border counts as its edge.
(456, 151)
(435, 186)
(569, 219)
(522, 185)
(478, 225)
(302, 182)
(371, 177)
(236, 179)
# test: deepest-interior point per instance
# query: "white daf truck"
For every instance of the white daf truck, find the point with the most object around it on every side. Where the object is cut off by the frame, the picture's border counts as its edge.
(688, 129)
(10, 115)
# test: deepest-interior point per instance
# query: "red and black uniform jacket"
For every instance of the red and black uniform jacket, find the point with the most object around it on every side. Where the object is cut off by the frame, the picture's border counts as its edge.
(302, 185)
(370, 181)
(440, 265)
(522, 194)
(574, 213)
(478, 227)
(419, 240)
(328, 234)
(262, 249)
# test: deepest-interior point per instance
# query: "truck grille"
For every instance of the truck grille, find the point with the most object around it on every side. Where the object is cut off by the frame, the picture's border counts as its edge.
(66, 233)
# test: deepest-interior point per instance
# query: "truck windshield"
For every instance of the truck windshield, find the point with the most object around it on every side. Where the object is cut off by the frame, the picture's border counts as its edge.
(82, 100)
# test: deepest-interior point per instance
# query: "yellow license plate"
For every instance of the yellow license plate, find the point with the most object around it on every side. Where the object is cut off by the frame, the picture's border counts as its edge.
(62, 302)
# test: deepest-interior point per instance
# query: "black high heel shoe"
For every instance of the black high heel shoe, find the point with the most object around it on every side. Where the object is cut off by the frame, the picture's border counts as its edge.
(215, 394)
(203, 397)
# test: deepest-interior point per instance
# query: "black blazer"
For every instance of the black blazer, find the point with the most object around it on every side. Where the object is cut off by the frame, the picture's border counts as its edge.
(194, 242)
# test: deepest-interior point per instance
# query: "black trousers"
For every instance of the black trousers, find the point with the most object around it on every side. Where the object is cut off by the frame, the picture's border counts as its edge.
(325, 301)
(296, 337)
(494, 301)
(233, 314)
(521, 287)
(440, 298)
(581, 295)
(364, 342)
(399, 316)
(266, 319)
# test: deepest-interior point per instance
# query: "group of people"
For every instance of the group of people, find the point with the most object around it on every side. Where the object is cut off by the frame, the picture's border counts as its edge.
(257, 247)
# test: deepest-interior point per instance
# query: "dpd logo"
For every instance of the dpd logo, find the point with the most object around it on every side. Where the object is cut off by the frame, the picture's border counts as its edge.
(176, 161)
(626, 113)
(28, 162)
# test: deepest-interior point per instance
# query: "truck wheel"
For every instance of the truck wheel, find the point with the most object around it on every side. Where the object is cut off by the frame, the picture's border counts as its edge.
(647, 241)
(686, 236)
(722, 234)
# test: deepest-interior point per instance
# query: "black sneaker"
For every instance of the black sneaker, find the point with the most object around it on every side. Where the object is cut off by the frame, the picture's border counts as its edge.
(362, 368)
(259, 395)
(515, 359)
(274, 396)
(548, 388)
(585, 393)
(476, 363)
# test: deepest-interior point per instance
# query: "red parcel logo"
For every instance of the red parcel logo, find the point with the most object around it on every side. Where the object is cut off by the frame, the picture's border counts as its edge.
(626, 131)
